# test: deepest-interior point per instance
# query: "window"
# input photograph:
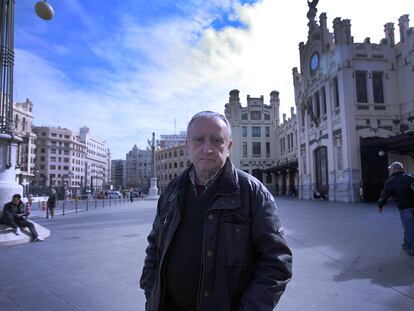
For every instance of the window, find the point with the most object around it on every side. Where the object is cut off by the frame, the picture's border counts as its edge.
(267, 149)
(317, 105)
(267, 116)
(52, 167)
(336, 92)
(256, 146)
(42, 158)
(323, 101)
(267, 131)
(53, 151)
(361, 86)
(255, 115)
(244, 116)
(53, 134)
(255, 131)
(244, 149)
(377, 87)
(244, 129)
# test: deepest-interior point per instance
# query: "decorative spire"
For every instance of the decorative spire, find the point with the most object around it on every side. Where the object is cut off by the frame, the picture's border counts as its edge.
(311, 15)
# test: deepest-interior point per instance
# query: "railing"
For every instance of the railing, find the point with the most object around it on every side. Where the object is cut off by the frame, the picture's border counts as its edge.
(39, 208)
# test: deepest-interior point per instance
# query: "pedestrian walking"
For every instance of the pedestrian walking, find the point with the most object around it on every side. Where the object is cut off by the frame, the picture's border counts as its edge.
(14, 215)
(216, 242)
(51, 202)
(131, 196)
(399, 187)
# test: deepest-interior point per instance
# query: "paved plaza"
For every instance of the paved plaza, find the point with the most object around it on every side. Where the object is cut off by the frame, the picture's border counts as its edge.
(346, 257)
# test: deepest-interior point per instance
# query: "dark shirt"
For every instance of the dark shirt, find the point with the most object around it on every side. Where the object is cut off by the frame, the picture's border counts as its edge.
(399, 187)
(184, 258)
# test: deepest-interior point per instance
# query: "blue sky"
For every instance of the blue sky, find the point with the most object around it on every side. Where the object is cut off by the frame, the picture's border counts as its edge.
(128, 68)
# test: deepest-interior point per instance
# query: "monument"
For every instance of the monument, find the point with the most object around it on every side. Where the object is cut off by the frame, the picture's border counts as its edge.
(153, 191)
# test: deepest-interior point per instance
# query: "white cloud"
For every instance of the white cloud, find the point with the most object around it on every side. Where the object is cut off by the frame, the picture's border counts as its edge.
(171, 70)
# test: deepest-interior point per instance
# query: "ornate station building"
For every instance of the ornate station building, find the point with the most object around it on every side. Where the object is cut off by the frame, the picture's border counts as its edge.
(355, 106)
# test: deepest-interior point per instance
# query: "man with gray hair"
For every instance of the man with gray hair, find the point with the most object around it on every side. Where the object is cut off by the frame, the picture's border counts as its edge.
(399, 186)
(217, 241)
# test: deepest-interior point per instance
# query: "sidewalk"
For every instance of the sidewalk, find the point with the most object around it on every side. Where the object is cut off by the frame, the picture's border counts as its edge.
(346, 257)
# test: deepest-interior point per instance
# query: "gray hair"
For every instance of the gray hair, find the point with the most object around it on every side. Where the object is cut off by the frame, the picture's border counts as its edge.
(396, 166)
(208, 115)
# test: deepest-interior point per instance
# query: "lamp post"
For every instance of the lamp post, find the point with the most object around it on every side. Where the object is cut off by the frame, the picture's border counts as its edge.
(8, 140)
(153, 191)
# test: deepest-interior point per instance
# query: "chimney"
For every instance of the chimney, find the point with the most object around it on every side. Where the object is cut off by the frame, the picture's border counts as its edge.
(292, 112)
(389, 33)
(284, 117)
(404, 23)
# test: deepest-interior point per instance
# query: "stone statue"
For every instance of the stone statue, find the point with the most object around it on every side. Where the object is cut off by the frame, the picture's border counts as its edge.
(313, 4)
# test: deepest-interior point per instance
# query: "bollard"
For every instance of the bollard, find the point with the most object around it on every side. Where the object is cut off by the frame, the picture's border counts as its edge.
(63, 208)
(47, 213)
(76, 205)
(96, 203)
(87, 209)
(109, 202)
(103, 202)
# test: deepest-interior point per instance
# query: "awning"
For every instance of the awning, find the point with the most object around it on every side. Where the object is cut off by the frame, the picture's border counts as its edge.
(284, 167)
(403, 143)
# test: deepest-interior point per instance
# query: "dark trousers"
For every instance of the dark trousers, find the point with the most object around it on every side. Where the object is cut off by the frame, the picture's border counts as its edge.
(19, 222)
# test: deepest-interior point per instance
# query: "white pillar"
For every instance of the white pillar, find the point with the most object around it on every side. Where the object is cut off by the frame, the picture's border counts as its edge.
(8, 157)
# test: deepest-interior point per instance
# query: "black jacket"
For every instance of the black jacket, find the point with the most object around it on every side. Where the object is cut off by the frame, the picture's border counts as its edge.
(399, 187)
(252, 263)
(13, 210)
(51, 200)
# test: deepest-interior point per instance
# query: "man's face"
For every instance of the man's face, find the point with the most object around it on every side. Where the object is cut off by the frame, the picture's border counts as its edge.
(208, 145)
(15, 201)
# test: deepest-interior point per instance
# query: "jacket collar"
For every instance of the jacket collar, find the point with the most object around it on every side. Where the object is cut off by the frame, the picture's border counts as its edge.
(228, 181)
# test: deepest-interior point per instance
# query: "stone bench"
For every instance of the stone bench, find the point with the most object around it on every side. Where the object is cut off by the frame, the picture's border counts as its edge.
(9, 238)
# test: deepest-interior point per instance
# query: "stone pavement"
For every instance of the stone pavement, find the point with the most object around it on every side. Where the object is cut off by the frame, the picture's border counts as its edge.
(346, 257)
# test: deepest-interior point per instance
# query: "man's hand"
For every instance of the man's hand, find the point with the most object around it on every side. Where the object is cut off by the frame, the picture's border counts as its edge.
(21, 215)
(380, 209)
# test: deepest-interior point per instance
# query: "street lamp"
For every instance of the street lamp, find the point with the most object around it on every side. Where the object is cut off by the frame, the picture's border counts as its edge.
(44, 10)
(8, 140)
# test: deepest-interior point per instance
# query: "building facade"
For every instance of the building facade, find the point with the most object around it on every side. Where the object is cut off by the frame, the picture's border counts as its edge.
(60, 158)
(170, 162)
(97, 163)
(22, 126)
(118, 170)
(262, 145)
(254, 135)
(169, 140)
(138, 169)
(355, 106)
